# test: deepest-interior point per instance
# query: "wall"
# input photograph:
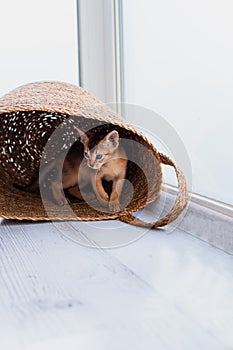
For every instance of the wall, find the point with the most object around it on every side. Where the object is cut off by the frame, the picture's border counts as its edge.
(178, 62)
(38, 42)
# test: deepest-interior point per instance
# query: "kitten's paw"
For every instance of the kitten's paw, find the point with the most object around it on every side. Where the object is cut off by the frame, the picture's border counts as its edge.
(114, 206)
(103, 200)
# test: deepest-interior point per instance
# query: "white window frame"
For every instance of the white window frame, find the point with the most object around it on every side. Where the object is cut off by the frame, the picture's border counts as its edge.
(101, 49)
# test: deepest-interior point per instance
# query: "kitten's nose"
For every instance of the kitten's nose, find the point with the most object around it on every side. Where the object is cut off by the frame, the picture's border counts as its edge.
(91, 165)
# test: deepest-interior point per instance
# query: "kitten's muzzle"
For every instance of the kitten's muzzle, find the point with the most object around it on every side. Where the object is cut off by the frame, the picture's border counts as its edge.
(94, 167)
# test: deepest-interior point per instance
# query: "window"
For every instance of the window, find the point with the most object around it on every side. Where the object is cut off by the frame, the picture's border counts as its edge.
(177, 61)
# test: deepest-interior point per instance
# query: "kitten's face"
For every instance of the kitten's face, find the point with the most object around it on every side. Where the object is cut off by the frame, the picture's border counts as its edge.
(102, 152)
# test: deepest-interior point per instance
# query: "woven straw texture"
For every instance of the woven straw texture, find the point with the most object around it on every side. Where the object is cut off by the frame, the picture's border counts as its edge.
(28, 117)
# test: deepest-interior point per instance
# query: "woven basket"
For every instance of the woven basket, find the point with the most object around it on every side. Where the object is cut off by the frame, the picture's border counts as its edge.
(30, 114)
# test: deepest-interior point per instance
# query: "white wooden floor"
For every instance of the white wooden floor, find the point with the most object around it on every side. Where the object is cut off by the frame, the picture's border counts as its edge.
(164, 291)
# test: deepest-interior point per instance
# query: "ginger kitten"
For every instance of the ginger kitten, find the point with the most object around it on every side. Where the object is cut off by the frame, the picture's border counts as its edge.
(107, 161)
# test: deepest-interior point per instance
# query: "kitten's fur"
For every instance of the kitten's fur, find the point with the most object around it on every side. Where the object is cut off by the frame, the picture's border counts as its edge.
(105, 161)
(110, 167)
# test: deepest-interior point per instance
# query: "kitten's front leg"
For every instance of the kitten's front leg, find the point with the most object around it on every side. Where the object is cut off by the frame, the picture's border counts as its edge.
(114, 204)
(57, 193)
(97, 185)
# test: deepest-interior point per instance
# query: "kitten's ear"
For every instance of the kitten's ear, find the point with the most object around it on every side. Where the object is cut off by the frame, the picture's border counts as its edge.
(83, 137)
(112, 139)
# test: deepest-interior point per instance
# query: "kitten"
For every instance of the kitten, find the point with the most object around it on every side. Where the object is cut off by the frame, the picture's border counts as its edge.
(107, 161)
(104, 161)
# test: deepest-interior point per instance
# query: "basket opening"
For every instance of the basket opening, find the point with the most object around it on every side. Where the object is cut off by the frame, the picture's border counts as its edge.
(24, 135)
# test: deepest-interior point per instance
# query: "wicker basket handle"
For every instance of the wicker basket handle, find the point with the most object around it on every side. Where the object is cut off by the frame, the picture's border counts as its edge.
(179, 205)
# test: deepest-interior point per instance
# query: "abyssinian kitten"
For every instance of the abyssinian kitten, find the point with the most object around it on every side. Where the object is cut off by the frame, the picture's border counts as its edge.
(101, 160)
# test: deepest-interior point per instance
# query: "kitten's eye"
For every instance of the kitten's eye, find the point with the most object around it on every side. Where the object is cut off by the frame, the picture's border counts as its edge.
(99, 156)
(86, 155)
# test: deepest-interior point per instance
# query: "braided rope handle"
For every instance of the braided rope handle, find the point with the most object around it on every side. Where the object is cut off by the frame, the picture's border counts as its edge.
(178, 207)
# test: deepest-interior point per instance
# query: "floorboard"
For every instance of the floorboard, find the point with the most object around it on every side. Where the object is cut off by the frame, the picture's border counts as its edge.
(149, 290)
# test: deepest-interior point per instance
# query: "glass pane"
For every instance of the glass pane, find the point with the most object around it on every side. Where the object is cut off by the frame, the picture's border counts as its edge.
(178, 62)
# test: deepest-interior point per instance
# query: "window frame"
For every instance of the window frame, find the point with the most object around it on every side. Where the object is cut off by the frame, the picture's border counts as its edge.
(100, 46)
